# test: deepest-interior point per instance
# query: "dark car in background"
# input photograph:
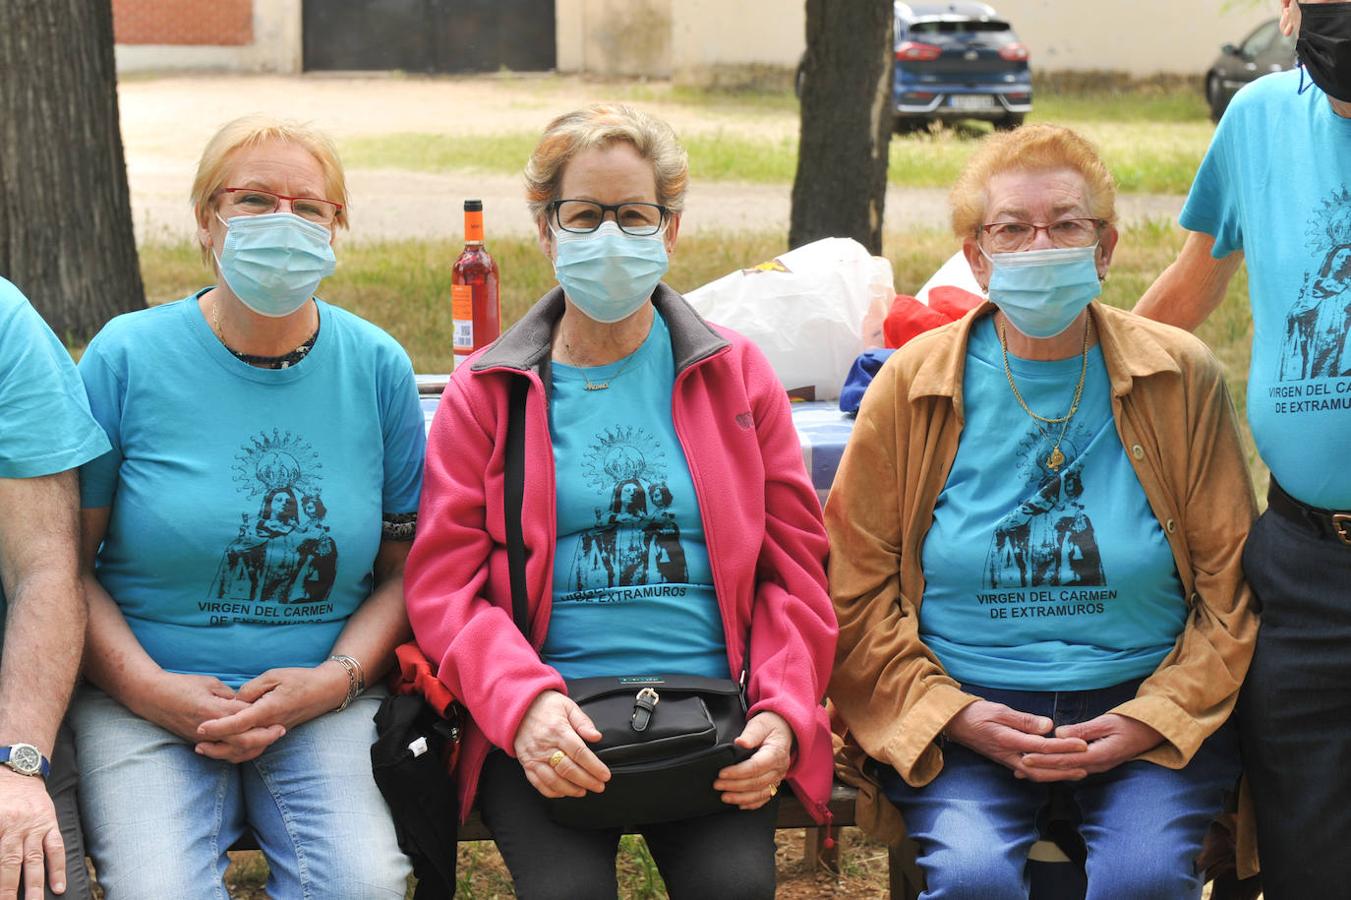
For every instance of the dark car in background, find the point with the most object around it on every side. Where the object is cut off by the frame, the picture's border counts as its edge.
(1264, 51)
(958, 61)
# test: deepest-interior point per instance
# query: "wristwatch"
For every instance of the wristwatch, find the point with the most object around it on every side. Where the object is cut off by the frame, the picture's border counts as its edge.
(25, 759)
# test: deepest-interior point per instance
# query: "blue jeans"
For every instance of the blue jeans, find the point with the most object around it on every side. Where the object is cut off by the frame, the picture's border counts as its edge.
(1142, 824)
(159, 818)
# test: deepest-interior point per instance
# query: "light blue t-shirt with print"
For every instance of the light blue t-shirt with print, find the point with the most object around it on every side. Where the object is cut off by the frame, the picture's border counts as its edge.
(1036, 578)
(45, 426)
(246, 503)
(1276, 184)
(633, 589)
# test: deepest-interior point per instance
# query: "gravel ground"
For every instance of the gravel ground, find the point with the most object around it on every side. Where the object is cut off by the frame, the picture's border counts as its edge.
(167, 120)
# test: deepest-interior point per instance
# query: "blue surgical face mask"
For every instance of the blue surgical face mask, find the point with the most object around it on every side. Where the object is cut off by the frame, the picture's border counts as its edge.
(608, 274)
(1042, 292)
(274, 262)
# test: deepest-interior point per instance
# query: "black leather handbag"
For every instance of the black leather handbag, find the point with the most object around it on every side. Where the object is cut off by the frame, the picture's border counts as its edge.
(663, 737)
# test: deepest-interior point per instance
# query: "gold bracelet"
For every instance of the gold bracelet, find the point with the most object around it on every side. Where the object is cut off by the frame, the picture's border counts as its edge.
(356, 678)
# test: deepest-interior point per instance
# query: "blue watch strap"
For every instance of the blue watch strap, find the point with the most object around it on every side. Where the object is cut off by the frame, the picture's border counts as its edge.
(44, 764)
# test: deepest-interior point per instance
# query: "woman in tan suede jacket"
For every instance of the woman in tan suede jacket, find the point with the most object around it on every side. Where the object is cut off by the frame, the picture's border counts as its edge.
(1036, 537)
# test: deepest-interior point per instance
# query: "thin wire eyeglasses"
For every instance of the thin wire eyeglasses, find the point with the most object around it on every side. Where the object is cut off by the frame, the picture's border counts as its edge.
(257, 202)
(1012, 236)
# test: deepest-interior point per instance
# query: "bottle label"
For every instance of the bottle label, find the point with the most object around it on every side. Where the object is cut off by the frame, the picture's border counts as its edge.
(462, 312)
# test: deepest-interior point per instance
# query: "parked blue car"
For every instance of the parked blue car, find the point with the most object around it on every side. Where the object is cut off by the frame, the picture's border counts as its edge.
(958, 61)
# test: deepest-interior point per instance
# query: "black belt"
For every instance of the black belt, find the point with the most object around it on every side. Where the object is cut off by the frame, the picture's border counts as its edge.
(1325, 522)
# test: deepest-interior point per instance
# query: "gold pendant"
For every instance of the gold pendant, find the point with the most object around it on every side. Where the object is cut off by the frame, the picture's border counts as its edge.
(1055, 460)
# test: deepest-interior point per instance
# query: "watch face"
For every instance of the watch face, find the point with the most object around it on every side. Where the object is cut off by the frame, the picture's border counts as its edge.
(25, 759)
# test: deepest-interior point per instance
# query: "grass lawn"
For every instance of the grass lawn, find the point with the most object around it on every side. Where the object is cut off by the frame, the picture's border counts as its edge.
(1152, 140)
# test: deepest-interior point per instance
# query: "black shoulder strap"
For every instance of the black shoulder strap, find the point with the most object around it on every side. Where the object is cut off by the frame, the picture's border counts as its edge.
(513, 495)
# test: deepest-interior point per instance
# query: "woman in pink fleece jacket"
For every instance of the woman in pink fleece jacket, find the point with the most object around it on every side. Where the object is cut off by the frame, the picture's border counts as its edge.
(668, 525)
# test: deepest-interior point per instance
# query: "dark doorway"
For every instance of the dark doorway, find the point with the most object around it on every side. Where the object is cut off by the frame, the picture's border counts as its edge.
(429, 35)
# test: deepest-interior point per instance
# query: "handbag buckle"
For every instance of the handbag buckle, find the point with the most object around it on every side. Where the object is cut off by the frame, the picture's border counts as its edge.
(1341, 524)
(643, 704)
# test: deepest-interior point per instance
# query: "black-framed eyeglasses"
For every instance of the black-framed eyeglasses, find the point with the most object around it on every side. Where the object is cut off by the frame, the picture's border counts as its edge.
(255, 202)
(585, 216)
(1012, 236)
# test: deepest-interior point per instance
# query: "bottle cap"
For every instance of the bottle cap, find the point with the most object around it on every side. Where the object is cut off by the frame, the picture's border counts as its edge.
(473, 206)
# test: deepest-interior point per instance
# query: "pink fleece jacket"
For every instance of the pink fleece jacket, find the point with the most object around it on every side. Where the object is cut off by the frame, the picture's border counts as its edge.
(761, 518)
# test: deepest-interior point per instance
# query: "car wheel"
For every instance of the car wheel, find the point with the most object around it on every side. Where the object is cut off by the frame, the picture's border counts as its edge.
(1213, 98)
(1009, 122)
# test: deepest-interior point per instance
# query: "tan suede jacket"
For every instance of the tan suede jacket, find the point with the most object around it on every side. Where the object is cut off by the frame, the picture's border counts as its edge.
(891, 697)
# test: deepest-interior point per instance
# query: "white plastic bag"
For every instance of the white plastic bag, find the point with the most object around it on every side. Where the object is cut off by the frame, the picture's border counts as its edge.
(806, 310)
(956, 272)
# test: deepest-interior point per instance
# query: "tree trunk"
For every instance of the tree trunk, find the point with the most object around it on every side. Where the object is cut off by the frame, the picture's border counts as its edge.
(841, 183)
(65, 215)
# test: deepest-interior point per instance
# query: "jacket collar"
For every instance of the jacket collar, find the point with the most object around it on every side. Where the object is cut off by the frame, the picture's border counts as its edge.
(527, 344)
(1129, 350)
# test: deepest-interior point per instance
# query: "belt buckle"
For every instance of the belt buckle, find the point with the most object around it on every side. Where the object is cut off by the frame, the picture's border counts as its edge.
(1341, 524)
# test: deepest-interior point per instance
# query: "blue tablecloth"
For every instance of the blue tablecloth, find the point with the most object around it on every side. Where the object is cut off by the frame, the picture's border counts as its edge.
(821, 429)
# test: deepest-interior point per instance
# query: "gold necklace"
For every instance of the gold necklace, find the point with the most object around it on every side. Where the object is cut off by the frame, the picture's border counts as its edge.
(605, 385)
(1056, 459)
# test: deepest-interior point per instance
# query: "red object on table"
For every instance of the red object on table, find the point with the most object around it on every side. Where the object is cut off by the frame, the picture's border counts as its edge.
(909, 318)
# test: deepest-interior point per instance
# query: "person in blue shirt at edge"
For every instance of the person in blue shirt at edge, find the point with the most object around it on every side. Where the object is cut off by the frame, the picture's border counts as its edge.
(1035, 535)
(245, 540)
(46, 433)
(1275, 190)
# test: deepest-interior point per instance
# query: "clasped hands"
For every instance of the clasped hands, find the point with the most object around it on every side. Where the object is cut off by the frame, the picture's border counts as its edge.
(1024, 742)
(551, 747)
(238, 725)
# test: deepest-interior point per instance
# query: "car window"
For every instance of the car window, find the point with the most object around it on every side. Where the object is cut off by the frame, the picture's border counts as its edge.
(959, 27)
(1261, 40)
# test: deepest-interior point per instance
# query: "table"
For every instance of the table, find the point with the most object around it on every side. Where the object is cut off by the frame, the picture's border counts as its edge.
(822, 430)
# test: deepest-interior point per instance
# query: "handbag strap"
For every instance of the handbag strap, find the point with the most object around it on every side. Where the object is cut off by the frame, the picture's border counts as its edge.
(513, 497)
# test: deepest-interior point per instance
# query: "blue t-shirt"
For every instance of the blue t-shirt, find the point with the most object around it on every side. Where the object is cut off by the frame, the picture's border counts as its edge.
(247, 503)
(45, 426)
(1039, 579)
(633, 589)
(1276, 184)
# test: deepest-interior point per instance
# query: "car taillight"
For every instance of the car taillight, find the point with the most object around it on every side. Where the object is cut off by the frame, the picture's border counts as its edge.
(914, 51)
(1014, 52)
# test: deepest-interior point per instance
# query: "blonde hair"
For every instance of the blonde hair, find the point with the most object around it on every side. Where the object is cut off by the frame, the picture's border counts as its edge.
(1031, 148)
(601, 125)
(250, 131)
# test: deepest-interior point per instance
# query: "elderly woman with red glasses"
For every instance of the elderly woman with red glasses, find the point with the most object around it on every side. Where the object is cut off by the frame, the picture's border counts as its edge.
(1036, 534)
(245, 540)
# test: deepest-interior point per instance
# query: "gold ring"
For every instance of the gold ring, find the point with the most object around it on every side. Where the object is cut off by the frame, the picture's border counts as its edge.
(557, 759)
(773, 789)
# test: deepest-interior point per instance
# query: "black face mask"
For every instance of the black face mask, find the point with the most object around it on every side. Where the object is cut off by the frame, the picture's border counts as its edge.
(1324, 47)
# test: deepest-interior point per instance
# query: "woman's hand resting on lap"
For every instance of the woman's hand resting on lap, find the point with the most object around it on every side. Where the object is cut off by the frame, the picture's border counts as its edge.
(752, 782)
(275, 701)
(552, 723)
(1007, 736)
(1112, 740)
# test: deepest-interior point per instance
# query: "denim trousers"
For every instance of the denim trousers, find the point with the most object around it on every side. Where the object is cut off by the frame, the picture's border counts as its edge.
(1142, 824)
(159, 818)
(1294, 714)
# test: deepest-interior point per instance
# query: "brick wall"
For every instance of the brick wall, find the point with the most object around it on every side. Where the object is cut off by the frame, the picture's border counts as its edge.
(200, 22)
